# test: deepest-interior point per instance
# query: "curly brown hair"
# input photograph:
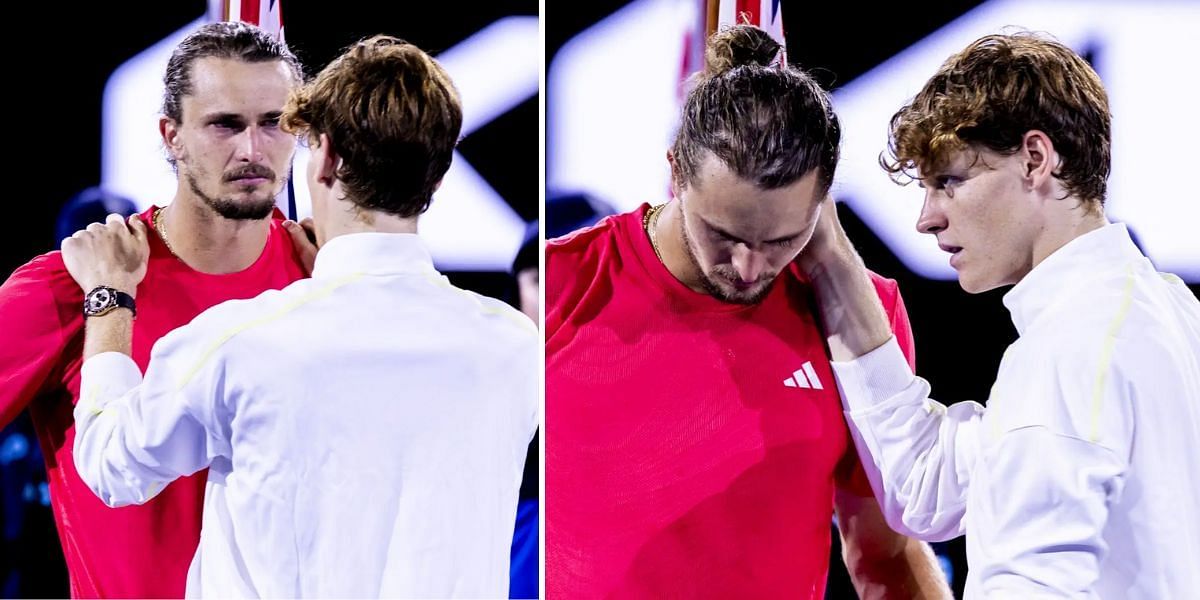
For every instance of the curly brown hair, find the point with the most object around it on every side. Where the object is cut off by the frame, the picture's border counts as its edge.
(392, 115)
(995, 91)
(769, 122)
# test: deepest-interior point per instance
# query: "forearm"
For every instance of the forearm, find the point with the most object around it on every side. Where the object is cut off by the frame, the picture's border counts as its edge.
(106, 457)
(881, 562)
(911, 571)
(854, 317)
(112, 332)
(132, 435)
(916, 452)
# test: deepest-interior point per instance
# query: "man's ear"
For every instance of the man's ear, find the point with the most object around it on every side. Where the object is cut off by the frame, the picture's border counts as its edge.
(168, 129)
(1039, 159)
(327, 159)
(676, 188)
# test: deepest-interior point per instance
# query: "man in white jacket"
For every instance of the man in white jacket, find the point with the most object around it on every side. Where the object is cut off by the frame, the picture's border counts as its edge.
(1078, 478)
(365, 429)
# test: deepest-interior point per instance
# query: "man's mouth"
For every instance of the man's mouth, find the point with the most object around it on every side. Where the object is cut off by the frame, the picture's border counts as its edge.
(955, 253)
(249, 180)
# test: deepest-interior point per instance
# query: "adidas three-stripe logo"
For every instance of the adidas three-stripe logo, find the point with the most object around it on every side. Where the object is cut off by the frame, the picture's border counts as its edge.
(804, 377)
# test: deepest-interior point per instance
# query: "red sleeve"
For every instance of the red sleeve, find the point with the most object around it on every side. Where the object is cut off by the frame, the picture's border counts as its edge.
(893, 303)
(850, 475)
(558, 267)
(35, 319)
(571, 262)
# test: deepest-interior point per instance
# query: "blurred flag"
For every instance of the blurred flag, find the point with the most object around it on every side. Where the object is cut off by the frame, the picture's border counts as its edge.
(267, 14)
(715, 14)
(766, 14)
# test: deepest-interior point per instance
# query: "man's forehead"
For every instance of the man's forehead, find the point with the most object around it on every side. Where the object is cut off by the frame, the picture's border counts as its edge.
(213, 74)
(237, 87)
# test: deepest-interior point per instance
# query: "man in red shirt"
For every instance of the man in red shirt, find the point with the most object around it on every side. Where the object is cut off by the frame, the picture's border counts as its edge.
(219, 239)
(695, 440)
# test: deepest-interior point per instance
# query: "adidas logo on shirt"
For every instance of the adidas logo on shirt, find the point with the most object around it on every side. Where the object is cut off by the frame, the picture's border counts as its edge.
(804, 377)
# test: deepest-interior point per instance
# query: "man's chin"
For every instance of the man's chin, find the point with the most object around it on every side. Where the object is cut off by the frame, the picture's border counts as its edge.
(974, 285)
(247, 209)
(732, 294)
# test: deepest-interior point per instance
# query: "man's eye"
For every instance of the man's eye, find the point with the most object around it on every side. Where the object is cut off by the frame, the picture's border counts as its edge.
(945, 181)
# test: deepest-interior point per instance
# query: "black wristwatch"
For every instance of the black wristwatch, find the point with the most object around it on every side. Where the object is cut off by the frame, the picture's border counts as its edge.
(104, 300)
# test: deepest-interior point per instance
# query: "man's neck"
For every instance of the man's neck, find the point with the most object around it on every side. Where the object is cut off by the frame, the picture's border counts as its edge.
(208, 242)
(345, 218)
(1065, 224)
(668, 237)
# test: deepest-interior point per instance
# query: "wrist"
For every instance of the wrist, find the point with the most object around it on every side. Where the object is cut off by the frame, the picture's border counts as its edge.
(829, 253)
(838, 253)
(116, 283)
(101, 300)
(121, 284)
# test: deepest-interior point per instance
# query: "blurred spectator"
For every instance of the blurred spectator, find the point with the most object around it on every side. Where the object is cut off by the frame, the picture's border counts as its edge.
(89, 206)
(525, 271)
(568, 211)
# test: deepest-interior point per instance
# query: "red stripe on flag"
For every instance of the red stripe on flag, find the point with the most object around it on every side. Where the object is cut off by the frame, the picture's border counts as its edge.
(250, 11)
(749, 8)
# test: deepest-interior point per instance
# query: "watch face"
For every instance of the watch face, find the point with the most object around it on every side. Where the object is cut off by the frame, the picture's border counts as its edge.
(98, 300)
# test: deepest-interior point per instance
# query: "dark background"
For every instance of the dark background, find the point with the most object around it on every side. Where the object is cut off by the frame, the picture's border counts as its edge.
(960, 338)
(54, 88)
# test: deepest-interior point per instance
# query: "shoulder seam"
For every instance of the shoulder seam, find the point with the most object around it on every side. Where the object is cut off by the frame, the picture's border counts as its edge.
(234, 331)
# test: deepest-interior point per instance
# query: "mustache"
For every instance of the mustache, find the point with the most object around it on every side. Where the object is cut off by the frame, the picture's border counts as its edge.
(250, 171)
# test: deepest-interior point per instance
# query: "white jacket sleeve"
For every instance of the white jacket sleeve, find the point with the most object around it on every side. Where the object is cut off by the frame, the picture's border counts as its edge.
(134, 436)
(917, 453)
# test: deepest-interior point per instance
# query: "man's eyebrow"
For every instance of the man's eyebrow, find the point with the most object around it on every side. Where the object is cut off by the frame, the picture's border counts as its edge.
(231, 116)
(221, 116)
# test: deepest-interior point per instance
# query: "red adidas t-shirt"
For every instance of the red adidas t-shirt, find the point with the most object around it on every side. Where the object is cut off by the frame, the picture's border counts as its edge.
(134, 551)
(693, 446)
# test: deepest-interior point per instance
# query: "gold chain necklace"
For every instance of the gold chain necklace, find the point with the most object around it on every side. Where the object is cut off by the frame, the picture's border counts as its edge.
(162, 233)
(650, 223)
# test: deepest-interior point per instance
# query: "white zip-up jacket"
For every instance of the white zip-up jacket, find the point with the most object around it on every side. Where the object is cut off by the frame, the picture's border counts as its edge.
(1081, 478)
(365, 430)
